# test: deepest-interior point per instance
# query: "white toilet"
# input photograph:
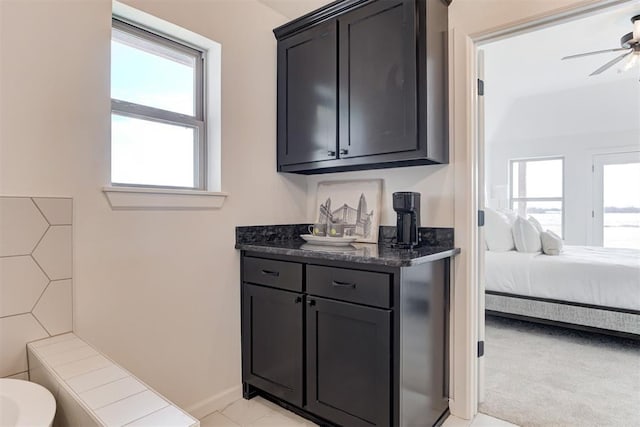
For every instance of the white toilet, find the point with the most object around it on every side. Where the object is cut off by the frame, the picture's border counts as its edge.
(23, 403)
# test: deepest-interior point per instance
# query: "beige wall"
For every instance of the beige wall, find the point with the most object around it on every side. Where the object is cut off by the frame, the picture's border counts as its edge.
(158, 291)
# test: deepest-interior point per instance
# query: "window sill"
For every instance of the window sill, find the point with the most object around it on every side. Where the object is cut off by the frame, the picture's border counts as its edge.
(137, 198)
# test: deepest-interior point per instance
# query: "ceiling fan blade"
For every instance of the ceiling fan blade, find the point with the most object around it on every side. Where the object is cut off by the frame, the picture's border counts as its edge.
(610, 63)
(579, 55)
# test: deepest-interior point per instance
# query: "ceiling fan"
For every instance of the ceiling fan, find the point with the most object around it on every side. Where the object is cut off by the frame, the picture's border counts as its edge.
(630, 44)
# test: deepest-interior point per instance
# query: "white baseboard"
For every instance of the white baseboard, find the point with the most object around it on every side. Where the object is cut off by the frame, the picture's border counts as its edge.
(215, 403)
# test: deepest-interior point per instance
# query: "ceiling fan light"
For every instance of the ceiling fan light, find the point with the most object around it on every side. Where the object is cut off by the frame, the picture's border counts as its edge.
(630, 61)
(636, 29)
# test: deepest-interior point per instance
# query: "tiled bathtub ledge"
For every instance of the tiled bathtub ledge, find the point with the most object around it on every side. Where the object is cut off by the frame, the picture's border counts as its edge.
(92, 390)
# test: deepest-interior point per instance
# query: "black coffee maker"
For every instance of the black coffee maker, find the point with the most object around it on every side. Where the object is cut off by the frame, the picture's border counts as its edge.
(407, 206)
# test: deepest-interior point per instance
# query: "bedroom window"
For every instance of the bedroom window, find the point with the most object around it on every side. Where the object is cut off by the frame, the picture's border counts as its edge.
(537, 190)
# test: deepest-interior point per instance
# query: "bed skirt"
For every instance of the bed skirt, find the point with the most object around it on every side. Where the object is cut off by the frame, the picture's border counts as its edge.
(600, 319)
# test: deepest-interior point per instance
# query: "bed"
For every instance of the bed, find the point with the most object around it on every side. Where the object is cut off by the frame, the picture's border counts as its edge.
(584, 287)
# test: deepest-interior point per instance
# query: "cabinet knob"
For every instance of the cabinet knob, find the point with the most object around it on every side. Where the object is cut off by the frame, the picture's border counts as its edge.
(298, 300)
(344, 151)
(331, 153)
(312, 302)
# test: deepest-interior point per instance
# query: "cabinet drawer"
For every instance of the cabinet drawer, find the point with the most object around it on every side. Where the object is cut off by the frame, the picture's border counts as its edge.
(279, 274)
(357, 286)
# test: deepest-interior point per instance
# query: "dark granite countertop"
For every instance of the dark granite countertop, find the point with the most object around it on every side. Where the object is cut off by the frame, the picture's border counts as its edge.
(285, 240)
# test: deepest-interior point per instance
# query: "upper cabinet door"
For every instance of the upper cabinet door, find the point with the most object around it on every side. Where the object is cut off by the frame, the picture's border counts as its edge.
(378, 84)
(307, 96)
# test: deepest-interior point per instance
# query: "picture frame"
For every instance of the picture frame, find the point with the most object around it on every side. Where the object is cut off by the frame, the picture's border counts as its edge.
(356, 204)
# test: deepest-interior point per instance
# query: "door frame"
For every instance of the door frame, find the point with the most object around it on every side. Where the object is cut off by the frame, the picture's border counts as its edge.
(463, 110)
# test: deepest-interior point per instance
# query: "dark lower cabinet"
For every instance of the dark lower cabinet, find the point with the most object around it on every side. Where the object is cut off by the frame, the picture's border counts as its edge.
(348, 362)
(347, 344)
(272, 348)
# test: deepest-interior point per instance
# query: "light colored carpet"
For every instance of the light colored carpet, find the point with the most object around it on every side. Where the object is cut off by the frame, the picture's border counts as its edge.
(538, 375)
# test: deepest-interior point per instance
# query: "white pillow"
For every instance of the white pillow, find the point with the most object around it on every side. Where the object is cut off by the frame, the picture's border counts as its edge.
(551, 243)
(511, 215)
(525, 236)
(536, 224)
(497, 231)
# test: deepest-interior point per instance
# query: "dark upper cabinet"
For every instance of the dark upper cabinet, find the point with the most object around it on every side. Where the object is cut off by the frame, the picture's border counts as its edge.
(378, 97)
(272, 341)
(307, 96)
(362, 85)
(348, 363)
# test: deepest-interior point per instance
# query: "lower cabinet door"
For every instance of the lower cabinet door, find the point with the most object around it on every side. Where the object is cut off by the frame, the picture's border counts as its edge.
(348, 362)
(272, 344)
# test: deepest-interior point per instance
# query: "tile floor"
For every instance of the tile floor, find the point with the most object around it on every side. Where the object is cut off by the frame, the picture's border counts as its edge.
(481, 420)
(261, 412)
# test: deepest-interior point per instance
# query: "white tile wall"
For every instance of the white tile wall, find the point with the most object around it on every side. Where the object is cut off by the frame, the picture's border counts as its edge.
(131, 408)
(112, 392)
(15, 332)
(40, 375)
(54, 310)
(82, 366)
(96, 378)
(169, 416)
(56, 211)
(21, 284)
(53, 253)
(21, 226)
(35, 275)
(91, 390)
(70, 413)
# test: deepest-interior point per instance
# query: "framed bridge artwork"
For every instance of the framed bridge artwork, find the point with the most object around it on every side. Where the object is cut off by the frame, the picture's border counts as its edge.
(355, 204)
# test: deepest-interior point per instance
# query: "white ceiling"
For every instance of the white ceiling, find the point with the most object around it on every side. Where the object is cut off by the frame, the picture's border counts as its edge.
(293, 9)
(531, 63)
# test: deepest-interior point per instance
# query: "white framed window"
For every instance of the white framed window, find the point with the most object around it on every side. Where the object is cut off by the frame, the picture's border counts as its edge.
(158, 121)
(537, 189)
(165, 115)
(616, 200)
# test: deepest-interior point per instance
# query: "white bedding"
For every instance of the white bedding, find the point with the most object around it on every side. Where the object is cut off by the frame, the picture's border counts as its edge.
(590, 275)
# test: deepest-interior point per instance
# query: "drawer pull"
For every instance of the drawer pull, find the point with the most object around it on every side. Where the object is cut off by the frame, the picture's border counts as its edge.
(271, 273)
(343, 284)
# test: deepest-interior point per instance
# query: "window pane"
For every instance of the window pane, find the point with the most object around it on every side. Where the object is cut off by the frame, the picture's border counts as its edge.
(542, 178)
(515, 171)
(549, 214)
(151, 153)
(621, 205)
(151, 74)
